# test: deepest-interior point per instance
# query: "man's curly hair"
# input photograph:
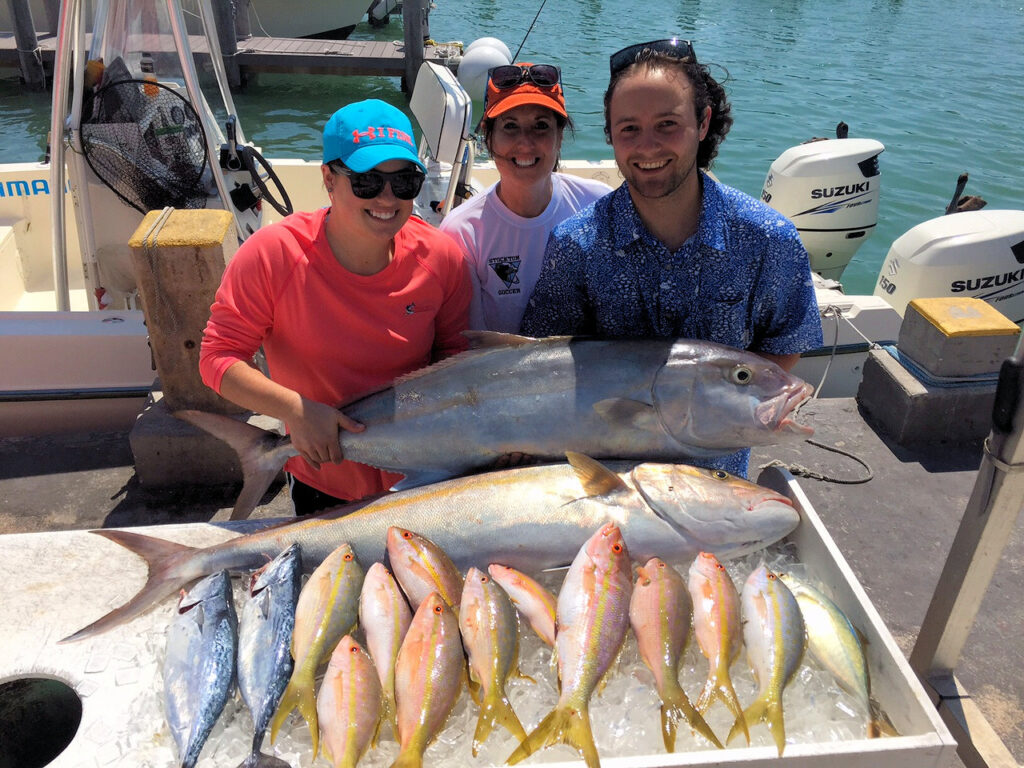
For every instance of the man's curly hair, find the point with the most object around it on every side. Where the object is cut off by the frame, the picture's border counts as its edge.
(707, 92)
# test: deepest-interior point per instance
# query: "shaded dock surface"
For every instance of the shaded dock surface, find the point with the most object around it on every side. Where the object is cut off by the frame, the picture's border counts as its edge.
(895, 531)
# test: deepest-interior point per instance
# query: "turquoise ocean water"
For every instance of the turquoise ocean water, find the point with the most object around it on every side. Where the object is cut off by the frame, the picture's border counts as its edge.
(940, 84)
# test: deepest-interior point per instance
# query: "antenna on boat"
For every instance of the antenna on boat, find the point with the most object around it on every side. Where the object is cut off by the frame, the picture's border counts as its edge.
(514, 58)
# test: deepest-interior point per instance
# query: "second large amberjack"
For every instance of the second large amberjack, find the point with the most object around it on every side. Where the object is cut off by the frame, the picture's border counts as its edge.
(530, 518)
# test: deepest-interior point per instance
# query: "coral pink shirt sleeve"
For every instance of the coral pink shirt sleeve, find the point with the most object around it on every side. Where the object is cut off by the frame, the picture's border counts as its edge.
(332, 335)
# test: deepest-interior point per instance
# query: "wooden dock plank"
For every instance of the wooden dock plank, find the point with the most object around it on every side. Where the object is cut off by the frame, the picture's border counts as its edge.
(268, 54)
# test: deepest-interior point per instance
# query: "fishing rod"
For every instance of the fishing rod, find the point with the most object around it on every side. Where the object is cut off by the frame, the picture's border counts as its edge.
(514, 58)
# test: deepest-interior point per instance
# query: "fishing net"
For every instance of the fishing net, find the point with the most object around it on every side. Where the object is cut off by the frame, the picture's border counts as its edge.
(145, 141)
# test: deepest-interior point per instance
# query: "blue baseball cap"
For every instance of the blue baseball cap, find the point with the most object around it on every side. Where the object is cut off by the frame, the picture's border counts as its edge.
(365, 134)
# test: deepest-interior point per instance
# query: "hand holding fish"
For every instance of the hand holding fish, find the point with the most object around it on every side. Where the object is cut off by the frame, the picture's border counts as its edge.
(314, 427)
(315, 430)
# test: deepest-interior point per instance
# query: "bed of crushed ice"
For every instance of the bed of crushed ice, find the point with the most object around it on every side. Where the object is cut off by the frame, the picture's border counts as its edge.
(625, 715)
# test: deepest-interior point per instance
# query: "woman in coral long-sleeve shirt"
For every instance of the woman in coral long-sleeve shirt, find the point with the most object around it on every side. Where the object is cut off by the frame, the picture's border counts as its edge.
(343, 300)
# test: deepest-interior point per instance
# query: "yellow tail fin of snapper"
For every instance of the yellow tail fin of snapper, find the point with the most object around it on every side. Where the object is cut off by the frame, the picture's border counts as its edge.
(592, 619)
(773, 631)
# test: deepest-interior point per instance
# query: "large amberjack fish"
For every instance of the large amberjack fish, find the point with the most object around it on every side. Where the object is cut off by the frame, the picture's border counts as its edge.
(719, 631)
(642, 399)
(327, 609)
(834, 642)
(593, 618)
(660, 612)
(385, 618)
(422, 567)
(773, 631)
(490, 635)
(533, 600)
(199, 666)
(264, 644)
(429, 675)
(529, 518)
(349, 704)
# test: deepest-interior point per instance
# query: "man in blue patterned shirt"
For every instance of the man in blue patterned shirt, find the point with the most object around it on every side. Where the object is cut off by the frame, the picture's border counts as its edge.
(672, 252)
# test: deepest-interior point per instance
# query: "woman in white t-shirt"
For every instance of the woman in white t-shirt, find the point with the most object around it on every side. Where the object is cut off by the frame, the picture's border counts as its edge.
(504, 230)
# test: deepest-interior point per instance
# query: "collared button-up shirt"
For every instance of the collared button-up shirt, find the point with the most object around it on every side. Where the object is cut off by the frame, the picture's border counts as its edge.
(743, 279)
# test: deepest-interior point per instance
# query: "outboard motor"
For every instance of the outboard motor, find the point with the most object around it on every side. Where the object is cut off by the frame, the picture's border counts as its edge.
(976, 253)
(829, 188)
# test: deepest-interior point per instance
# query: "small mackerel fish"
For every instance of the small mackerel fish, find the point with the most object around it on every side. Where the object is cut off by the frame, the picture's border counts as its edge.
(773, 631)
(719, 631)
(327, 609)
(429, 675)
(490, 635)
(385, 618)
(349, 704)
(592, 622)
(264, 644)
(660, 612)
(199, 665)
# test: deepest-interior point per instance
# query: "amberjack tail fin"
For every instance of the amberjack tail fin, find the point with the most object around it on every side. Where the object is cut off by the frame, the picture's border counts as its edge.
(298, 694)
(262, 454)
(768, 711)
(169, 570)
(563, 725)
(496, 710)
(723, 691)
(675, 707)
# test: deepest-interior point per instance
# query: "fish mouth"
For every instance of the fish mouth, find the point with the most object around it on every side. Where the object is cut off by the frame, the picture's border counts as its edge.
(777, 414)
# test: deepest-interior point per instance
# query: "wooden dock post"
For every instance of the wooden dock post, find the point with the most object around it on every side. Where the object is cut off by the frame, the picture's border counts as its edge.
(243, 29)
(225, 20)
(29, 61)
(414, 20)
(178, 258)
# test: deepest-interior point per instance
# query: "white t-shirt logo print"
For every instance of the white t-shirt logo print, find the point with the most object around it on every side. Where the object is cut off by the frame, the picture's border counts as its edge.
(507, 269)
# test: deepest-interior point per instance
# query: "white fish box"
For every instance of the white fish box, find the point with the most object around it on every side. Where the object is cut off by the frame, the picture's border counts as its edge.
(55, 583)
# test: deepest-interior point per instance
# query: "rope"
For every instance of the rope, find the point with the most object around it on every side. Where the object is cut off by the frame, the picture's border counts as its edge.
(801, 471)
(149, 242)
(831, 310)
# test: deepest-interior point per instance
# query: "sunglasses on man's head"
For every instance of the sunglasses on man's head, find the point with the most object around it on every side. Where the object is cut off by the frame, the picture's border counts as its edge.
(405, 184)
(511, 75)
(679, 49)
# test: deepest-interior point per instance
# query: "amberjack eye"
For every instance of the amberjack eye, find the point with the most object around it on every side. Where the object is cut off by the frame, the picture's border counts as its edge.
(721, 474)
(741, 374)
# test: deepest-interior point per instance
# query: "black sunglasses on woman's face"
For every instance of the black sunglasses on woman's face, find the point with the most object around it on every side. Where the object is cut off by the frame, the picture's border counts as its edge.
(405, 184)
(510, 75)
